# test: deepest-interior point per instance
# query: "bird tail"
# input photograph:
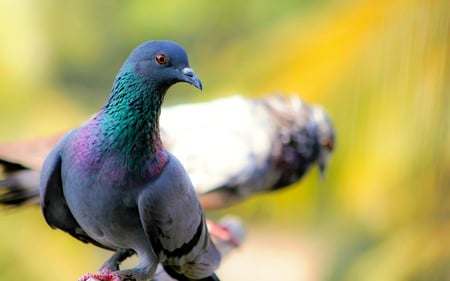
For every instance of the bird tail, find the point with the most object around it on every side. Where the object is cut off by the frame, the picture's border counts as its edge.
(19, 188)
(211, 278)
(177, 276)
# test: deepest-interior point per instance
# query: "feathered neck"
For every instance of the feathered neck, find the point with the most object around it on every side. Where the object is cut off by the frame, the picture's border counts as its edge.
(124, 136)
(130, 118)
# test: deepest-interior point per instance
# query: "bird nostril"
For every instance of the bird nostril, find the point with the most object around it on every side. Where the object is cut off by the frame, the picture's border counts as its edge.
(188, 72)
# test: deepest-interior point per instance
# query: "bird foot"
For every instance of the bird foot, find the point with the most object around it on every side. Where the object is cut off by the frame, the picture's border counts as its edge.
(222, 233)
(100, 277)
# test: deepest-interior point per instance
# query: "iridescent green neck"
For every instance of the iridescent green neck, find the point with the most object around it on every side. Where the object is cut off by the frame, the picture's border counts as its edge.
(130, 119)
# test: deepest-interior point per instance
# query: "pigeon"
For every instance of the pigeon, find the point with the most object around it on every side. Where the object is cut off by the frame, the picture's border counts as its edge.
(267, 144)
(264, 145)
(112, 183)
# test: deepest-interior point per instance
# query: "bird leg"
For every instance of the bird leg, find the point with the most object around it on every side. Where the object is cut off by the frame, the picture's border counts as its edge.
(112, 264)
(222, 233)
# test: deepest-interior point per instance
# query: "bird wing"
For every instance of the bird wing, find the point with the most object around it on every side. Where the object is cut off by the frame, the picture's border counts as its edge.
(53, 203)
(173, 220)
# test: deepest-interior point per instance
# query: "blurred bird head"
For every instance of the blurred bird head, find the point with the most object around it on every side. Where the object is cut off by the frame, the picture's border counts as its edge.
(326, 137)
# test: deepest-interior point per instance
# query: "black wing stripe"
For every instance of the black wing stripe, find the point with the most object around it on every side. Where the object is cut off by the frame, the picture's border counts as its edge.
(185, 248)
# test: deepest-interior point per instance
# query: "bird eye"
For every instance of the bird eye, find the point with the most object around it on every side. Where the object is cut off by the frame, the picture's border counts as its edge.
(161, 59)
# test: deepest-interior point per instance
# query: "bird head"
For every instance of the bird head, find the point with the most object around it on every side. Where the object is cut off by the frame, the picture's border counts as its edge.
(326, 136)
(163, 63)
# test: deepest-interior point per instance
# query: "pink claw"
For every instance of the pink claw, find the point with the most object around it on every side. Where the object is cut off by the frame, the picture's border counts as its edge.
(100, 277)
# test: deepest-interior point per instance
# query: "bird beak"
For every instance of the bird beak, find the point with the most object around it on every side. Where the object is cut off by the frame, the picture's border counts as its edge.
(322, 162)
(191, 78)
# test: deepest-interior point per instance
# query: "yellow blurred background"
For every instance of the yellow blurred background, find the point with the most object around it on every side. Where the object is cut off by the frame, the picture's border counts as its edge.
(380, 68)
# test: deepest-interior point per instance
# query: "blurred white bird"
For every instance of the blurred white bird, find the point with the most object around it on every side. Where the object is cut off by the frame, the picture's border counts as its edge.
(243, 147)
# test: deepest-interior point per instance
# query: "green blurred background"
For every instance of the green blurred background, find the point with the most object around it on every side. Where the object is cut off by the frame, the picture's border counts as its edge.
(380, 68)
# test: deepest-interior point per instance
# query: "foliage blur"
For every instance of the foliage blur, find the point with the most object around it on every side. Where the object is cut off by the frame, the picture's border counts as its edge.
(380, 68)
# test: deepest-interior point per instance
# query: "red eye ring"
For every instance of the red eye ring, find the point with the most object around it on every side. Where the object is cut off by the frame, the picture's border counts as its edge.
(161, 59)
